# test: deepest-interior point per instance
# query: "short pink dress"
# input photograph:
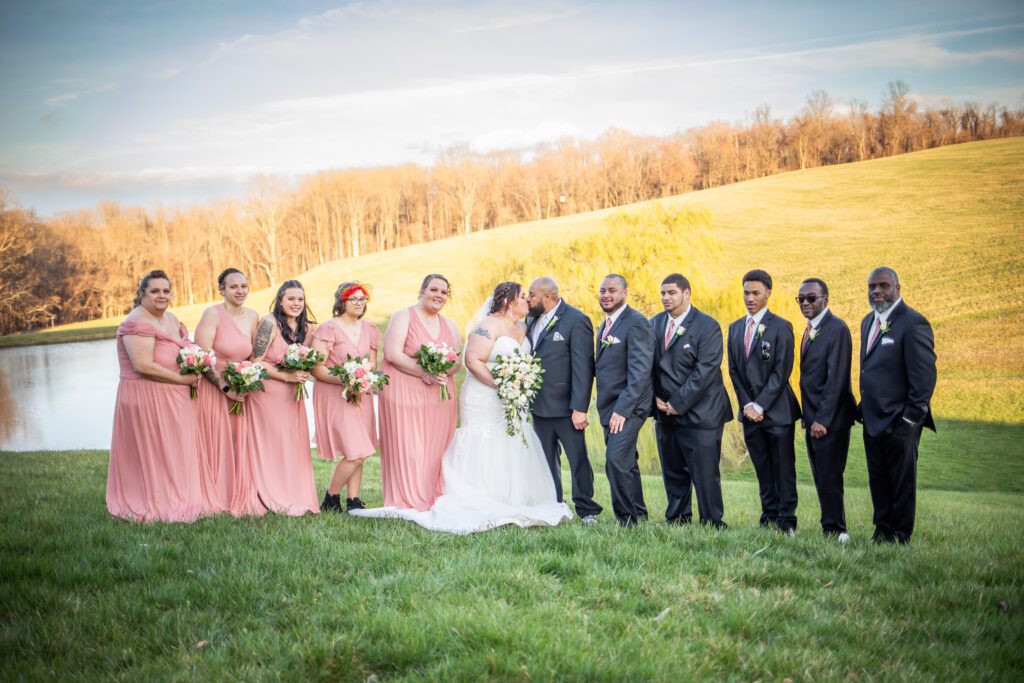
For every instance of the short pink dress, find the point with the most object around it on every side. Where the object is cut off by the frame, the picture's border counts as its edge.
(275, 466)
(416, 426)
(342, 429)
(153, 474)
(218, 429)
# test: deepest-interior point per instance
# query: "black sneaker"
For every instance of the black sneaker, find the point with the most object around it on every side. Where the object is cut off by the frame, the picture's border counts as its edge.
(331, 503)
(354, 504)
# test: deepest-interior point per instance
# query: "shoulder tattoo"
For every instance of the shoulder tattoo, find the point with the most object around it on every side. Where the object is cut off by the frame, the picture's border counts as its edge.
(480, 331)
(263, 334)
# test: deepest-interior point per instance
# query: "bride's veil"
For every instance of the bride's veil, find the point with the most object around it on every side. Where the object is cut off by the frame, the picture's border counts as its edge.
(478, 318)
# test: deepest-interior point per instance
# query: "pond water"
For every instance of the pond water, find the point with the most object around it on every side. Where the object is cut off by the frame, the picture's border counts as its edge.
(61, 396)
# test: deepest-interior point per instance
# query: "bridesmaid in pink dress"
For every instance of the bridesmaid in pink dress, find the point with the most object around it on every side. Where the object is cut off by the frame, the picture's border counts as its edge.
(275, 466)
(345, 433)
(153, 473)
(415, 424)
(226, 328)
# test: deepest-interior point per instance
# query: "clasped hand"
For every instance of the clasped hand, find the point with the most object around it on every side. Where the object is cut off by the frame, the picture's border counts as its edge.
(752, 415)
(665, 407)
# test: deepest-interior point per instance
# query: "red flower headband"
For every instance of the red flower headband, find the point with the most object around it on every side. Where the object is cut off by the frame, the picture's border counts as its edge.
(348, 293)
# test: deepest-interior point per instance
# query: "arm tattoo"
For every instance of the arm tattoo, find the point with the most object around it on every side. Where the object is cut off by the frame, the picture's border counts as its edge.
(482, 332)
(211, 374)
(263, 334)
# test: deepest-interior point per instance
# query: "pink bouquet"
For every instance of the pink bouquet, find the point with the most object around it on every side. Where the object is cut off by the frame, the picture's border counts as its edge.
(243, 377)
(193, 360)
(437, 360)
(358, 377)
(300, 358)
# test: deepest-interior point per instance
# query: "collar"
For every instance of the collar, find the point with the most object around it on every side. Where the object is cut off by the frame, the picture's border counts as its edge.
(885, 316)
(611, 319)
(816, 320)
(546, 318)
(679, 321)
(758, 317)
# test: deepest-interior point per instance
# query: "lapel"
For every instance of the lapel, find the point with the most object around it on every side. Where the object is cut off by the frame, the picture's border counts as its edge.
(658, 324)
(617, 327)
(810, 343)
(687, 322)
(755, 343)
(891, 320)
(550, 326)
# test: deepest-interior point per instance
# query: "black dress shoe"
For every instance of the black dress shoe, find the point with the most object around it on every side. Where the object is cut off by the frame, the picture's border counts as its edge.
(354, 504)
(331, 503)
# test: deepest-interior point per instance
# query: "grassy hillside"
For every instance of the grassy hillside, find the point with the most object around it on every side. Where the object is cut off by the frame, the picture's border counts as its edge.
(947, 219)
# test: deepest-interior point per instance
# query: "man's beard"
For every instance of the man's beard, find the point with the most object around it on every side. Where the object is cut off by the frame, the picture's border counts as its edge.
(882, 307)
(537, 311)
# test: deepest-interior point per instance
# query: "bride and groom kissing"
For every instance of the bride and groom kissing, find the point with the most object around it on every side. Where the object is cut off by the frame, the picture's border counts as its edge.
(492, 479)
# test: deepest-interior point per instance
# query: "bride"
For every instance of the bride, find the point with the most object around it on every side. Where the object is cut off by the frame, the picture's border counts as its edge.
(490, 479)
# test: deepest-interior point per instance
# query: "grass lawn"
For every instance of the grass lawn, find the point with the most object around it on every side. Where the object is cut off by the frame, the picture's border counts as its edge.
(329, 597)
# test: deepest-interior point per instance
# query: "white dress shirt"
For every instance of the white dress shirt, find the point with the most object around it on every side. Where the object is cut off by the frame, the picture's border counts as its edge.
(542, 322)
(610, 320)
(758, 317)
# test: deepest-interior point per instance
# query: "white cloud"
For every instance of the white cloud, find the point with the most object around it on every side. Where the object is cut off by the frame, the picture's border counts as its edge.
(170, 72)
(61, 100)
(504, 23)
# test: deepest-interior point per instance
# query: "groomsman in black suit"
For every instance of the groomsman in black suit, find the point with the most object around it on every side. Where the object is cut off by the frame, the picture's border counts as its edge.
(691, 404)
(625, 395)
(563, 338)
(826, 352)
(897, 378)
(760, 363)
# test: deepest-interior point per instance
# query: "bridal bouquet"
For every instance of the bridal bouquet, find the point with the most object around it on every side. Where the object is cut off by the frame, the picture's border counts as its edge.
(519, 378)
(358, 377)
(296, 358)
(438, 359)
(243, 377)
(193, 360)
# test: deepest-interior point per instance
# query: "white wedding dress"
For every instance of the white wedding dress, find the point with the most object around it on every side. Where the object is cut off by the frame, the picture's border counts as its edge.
(490, 478)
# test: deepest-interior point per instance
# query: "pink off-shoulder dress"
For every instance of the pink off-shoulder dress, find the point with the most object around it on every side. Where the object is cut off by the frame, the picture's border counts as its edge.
(275, 466)
(344, 430)
(218, 429)
(153, 473)
(416, 426)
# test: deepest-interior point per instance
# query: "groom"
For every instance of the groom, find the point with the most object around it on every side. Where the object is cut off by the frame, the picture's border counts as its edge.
(625, 395)
(563, 338)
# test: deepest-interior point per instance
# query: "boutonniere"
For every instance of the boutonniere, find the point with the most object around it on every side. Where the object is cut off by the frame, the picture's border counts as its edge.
(681, 331)
(609, 340)
(760, 331)
(884, 328)
(812, 335)
(551, 324)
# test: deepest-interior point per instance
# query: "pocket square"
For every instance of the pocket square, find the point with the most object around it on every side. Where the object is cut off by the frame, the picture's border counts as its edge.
(558, 337)
(886, 341)
(687, 346)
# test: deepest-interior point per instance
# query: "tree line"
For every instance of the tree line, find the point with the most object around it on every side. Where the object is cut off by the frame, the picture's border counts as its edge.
(83, 264)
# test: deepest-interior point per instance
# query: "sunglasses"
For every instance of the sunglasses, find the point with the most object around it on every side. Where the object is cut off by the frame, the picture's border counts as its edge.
(809, 298)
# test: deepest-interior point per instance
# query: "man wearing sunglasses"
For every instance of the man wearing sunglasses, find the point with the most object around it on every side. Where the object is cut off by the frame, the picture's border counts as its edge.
(760, 353)
(826, 351)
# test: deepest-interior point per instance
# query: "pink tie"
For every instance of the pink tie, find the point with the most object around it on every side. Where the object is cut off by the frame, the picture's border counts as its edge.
(874, 333)
(668, 332)
(748, 337)
(607, 329)
(807, 335)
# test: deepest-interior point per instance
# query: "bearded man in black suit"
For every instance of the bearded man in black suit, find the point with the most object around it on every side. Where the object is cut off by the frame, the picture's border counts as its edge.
(625, 395)
(829, 408)
(760, 364)
(897, 379)
(691, 404)
(563, 338)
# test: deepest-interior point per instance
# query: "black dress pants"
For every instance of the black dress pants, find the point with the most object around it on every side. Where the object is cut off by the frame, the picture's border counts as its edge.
(690, 459)
(827, 457)
(556, 434)
(774, 458)
(892, 478)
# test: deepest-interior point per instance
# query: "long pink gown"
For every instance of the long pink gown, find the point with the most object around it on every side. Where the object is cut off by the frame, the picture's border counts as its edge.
(153, 473)
(218, 429)
(342, 429)
(275, 466)
(416, 426)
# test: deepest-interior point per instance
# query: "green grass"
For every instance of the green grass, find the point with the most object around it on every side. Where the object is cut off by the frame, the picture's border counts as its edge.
(58, 336)
(334, 598)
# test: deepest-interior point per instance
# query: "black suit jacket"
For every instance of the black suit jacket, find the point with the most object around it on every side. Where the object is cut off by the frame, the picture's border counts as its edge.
(566, 351)
(825, 387)
(763, 377)
(897, 377)
(623, 369)
(689, 373)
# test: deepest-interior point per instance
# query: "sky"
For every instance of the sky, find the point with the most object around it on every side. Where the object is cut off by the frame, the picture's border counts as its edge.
(181, 102)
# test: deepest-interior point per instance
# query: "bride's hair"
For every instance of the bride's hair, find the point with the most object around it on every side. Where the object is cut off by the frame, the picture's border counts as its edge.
(504, 295)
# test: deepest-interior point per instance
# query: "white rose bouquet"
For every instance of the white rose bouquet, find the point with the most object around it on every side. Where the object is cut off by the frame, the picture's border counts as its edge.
(243, 377)
(358, 377)
(193, 360)
(437, 360)
(299, 357)
(519, 377)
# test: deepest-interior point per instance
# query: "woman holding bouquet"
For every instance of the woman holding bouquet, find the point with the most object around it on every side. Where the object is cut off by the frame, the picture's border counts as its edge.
(275, 469)
(226, 328)
(345, 431)
(153, 474)
(416, 425)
